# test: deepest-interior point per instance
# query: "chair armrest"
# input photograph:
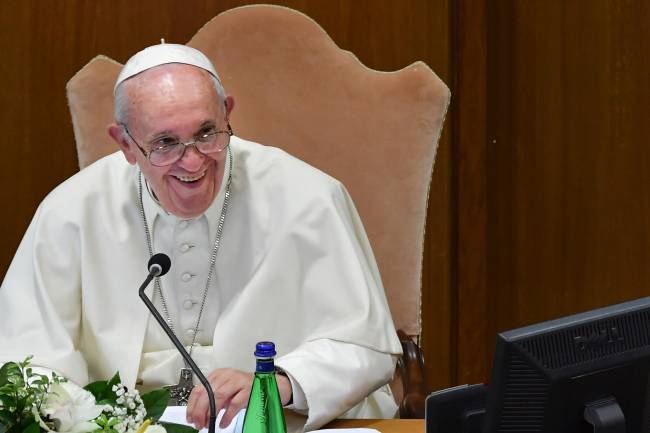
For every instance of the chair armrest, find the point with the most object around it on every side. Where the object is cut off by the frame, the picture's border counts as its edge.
(410, 367)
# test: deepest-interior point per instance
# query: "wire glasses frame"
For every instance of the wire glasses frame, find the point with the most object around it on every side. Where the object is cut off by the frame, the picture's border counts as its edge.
(169, 153)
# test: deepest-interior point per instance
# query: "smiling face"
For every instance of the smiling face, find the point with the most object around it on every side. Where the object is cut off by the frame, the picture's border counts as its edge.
(176, 101)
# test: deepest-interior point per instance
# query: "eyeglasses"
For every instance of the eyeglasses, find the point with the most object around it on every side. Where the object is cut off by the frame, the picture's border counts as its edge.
(167, 150)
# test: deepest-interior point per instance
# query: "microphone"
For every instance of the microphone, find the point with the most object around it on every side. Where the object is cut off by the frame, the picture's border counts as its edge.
(159, 265)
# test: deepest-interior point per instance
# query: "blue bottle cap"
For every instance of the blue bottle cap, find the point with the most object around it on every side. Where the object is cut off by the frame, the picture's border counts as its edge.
(264, 350)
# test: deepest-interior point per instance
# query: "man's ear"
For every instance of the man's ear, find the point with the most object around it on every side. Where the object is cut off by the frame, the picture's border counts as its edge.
(119, 136)
(230, 105)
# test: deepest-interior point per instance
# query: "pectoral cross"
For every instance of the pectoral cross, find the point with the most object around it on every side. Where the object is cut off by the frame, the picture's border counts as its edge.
(180, 393)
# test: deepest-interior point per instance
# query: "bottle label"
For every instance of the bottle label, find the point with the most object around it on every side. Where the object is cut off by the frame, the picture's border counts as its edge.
(265, 366)
(262, 413)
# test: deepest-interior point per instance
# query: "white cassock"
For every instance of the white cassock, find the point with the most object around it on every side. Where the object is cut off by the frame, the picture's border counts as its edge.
(294, 267)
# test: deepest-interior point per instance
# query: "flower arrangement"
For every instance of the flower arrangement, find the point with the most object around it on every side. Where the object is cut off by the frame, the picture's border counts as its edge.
(34, 403)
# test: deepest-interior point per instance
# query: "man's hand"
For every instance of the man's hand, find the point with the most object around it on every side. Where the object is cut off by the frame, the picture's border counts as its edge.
(231, 391)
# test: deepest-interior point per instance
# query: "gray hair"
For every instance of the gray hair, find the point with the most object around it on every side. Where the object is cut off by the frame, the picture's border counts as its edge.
(121, 99)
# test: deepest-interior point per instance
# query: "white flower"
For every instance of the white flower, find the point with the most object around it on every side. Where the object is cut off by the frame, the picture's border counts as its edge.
(71, 407)
(155, 428)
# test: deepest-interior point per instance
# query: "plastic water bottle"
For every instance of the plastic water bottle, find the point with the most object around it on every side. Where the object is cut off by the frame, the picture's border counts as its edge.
(264, 412)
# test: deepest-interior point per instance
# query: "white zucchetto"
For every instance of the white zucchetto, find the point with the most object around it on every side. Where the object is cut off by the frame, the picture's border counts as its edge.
(162, 54)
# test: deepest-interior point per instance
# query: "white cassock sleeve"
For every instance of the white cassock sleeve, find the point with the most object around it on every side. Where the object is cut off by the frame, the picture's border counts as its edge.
(329, 379)
(41, 297)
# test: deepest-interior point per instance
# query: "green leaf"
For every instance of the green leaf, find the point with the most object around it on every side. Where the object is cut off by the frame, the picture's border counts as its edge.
(26, 362)
(33, 428)
(16, 380)
(97, 389)
(58, 379)
(43, 378)
(155, 402)
(177, 428)
(9, 371)
(106, 401)
(7, 400)
(102, 390)
(41, 381)
(6, 417)
(24, 426)
(114, 381)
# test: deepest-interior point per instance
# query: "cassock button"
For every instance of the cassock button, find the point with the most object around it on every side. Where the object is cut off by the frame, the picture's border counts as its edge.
(186, 277)
(188, 304)
(185, 248)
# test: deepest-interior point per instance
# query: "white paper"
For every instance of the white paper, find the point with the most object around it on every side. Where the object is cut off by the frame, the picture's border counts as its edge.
(176, 414)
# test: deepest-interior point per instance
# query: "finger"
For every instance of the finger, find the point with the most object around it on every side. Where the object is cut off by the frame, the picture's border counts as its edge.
(224, 394)
(199, 415)
(220, 376)
(237, 403)
(205, 411)
(192, 413)
(191, 402)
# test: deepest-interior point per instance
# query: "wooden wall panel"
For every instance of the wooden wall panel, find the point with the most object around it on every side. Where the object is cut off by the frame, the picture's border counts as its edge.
(470, 195)
(567, 166)
(44, 43)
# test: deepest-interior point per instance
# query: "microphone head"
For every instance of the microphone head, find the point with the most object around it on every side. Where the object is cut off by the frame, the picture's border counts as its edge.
(159, 264)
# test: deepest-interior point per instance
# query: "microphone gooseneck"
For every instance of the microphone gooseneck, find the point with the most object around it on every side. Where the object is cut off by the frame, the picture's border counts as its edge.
(159, 265)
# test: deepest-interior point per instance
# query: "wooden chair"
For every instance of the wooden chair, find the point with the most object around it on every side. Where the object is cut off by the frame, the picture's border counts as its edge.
(294, 88)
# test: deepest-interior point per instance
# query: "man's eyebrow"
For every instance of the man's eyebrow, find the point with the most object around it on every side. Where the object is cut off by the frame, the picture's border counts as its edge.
(210, 123)
(161, 134)
(169, 133)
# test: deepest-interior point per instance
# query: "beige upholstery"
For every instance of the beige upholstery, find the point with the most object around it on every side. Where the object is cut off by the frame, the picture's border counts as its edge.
(90, 98)
(294, 88)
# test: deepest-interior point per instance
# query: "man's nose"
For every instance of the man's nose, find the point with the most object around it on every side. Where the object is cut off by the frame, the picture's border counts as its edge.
(192, 159)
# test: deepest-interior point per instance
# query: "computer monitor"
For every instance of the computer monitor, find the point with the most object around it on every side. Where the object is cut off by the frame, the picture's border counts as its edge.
(583, 373)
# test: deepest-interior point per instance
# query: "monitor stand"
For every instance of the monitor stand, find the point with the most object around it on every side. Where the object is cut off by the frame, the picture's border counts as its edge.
(605, 415)
(459, 409)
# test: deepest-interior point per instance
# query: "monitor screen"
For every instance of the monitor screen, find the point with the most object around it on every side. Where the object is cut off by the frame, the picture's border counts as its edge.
(583, 373)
